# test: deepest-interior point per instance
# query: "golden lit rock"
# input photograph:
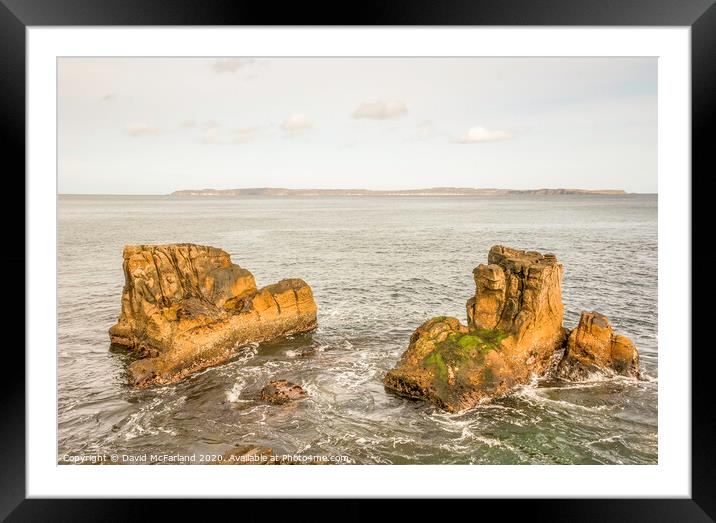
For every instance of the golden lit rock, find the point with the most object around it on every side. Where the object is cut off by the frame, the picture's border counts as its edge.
(186, 307)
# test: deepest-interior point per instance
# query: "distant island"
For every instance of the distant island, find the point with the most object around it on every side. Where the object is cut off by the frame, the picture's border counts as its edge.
(433, 191)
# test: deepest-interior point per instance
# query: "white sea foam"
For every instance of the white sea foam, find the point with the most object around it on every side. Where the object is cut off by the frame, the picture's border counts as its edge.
(608, 439)
(534, 396)
(233, 395)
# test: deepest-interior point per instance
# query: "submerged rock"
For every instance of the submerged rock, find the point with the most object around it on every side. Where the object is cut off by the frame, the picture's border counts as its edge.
(185, 307)
(514, 332)
(593, 348)
(279, 392)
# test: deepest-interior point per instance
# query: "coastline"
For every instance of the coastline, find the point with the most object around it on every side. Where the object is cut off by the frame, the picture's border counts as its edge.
(354, 195)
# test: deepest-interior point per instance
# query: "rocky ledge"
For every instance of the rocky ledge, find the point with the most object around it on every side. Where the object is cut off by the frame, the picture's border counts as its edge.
(187, 307)
(514, 332)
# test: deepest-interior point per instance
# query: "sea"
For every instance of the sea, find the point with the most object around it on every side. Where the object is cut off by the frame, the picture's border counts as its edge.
(378, 267)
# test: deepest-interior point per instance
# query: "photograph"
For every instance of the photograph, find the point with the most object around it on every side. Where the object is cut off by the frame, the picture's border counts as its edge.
(357, 260)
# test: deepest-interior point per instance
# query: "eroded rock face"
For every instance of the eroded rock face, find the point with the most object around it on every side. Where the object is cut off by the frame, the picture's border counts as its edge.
(593, 348)
(186, 307)
(520, 292)
(514, 327)
(279, 392)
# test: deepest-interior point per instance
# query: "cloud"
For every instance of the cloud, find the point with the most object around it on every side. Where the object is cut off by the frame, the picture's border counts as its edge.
(142, 129)
(193, 124)
(425, 130)
(231, 65)
(214, 135)
(210, 136)
(243, 135)
(481, 134)
(296, 124)
(380, 110)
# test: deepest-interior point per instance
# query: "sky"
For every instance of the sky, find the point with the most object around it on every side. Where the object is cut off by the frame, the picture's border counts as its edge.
(156, 125)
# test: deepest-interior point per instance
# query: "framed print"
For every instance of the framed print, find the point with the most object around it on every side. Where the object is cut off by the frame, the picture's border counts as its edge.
(444, 253)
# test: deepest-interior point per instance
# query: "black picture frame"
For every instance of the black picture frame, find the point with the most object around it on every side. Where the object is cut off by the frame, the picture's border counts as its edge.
(16, 15)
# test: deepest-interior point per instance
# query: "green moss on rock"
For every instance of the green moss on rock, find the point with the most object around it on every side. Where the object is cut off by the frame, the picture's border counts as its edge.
(436, 359)
(463, 349)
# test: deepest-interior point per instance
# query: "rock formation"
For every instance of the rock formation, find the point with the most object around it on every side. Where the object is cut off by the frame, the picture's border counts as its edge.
(514, 332)
(514, 328)
(279, 392)
(593, 348)
(186, 307)
(519, 293)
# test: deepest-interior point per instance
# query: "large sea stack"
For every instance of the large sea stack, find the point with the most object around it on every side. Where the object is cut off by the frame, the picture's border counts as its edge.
(186, 307)
(514, 332)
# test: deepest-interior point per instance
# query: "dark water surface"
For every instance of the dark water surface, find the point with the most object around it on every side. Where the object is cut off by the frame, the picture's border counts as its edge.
(379, 267)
